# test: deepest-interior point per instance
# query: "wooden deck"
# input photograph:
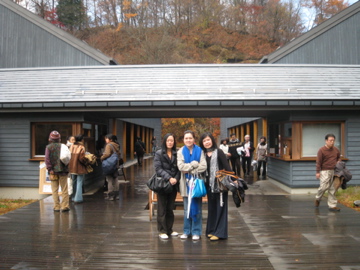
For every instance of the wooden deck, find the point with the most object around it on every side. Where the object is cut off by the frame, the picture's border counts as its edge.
(266, 232)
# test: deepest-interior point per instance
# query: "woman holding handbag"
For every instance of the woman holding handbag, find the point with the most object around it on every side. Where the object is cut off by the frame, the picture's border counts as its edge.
(111, 147)
(77, 168)
(217, 222)
(191, 161)
(165, 163)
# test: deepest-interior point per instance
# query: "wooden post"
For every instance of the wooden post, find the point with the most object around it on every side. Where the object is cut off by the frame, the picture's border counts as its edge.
(264, 127)
(241, 137)
(113, 127)
(132, 142)
(255, 133)
(124, 146)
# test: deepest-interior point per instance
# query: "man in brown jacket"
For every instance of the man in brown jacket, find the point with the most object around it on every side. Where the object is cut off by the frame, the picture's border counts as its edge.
(326, 160)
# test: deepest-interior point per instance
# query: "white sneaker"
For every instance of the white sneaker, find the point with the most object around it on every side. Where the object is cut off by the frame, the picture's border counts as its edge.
(163, 236)
(184, 236)
(196, 237)
(174, 234)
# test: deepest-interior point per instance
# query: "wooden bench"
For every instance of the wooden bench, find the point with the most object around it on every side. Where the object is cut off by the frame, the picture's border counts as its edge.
(153, 201)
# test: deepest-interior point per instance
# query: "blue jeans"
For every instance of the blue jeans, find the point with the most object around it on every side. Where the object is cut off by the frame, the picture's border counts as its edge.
(193, 226)
(78, 180)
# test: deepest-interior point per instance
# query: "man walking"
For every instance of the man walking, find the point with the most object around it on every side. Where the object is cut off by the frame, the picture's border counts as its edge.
(326, 160)
(234, 143)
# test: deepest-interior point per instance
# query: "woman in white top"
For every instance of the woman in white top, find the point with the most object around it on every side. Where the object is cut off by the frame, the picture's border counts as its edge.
(224, 146)
(261, 157)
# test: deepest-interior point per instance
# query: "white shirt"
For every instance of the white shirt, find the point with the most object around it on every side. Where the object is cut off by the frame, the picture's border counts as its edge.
(225, 148)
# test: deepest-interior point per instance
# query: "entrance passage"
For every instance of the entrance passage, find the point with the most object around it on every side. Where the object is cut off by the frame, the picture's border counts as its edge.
(267, 232)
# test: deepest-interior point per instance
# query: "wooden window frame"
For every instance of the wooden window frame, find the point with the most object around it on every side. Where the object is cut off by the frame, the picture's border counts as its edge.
(297, 134)
(76, 129)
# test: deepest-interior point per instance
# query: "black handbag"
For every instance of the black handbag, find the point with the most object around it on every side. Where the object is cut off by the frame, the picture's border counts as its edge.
(239, 194)
(159, 185)
(225, 181)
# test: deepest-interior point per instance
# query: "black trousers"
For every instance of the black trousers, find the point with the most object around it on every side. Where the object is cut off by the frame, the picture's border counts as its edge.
(261, 163)
(217, 222)
(140, 157)
(165, 212)
(235, 165)
(246, 164)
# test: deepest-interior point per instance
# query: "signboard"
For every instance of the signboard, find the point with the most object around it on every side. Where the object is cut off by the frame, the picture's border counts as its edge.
(44, 181)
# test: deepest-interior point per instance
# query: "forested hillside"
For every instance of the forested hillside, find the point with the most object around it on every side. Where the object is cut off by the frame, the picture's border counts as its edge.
(185, 31)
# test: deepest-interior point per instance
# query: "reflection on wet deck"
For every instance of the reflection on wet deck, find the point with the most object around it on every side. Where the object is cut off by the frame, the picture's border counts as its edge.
(266, 232)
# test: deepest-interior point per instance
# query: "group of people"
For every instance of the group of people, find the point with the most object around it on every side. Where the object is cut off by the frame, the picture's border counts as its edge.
(77, 168)
(178, 167)
(203, 161)
(243, 153)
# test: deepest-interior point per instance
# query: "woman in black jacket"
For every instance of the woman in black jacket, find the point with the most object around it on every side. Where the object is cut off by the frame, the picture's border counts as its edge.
(217, 222)
(165, 163)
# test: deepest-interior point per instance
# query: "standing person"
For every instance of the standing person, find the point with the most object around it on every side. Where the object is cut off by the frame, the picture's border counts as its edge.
(57, 168)
(77, 168)
(234, 143)
(217, 222)
(247, 156)
(261, 156)
(112, 146)
(139, 150)
(70, 140)
(165, 163)
(225, 147)
(154, 145)
(191, 161)
(327, 158)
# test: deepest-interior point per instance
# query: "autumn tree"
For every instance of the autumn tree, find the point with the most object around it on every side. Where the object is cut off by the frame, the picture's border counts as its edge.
(41, 7)
(185, 31)
(325, 9)
(177, 126)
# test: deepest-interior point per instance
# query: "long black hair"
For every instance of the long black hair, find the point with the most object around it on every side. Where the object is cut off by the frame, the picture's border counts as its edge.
(163, 145)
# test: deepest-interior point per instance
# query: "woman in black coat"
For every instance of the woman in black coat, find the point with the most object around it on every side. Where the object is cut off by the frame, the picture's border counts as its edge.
(165, 163)
(217, 222)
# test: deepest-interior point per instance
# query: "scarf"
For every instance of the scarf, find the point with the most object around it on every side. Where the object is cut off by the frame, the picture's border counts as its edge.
(214, 167)
(211, 149)
(196, 155)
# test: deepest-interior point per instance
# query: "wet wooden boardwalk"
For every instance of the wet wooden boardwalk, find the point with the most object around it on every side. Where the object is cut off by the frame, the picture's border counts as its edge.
(268, 232)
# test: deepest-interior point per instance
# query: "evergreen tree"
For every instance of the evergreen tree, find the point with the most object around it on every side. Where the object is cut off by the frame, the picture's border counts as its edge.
(71, 13)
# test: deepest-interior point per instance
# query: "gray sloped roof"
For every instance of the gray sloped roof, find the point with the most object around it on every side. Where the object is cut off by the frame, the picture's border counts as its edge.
(179, 82)
(351, 41)
(30, 34)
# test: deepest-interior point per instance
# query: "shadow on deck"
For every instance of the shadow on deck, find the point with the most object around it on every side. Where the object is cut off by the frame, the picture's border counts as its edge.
(272, 231)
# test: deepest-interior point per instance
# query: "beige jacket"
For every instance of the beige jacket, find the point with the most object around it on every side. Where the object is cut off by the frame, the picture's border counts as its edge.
(188, 168)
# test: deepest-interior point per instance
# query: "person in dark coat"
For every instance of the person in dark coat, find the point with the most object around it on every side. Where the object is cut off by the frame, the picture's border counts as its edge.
(165, 163)
(217, 222)
(234, 157)
(139, 150)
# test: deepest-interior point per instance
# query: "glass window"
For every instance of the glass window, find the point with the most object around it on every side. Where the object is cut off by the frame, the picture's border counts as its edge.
(41, 133)
(313, 137)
